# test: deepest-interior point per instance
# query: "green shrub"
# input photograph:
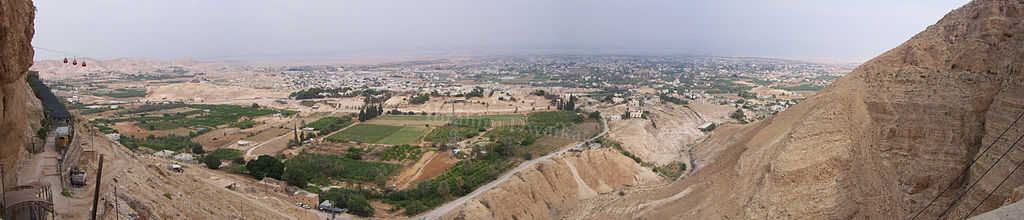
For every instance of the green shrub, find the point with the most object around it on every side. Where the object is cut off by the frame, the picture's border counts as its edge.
(212, 163)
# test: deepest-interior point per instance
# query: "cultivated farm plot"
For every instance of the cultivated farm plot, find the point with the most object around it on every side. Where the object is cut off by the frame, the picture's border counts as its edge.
(448, 117)
(379, 134)
(367, 133)
(405, 135)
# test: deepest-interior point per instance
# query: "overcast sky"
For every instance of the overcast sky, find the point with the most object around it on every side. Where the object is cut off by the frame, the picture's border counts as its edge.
(230, 29)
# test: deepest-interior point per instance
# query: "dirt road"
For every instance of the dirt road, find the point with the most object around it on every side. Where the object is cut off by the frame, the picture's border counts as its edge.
(438, 212)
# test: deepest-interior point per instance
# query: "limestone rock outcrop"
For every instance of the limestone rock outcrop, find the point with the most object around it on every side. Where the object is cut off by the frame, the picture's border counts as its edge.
(881, 142)
(19, 109)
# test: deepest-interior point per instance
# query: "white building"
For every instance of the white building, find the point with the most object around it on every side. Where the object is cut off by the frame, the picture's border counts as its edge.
(114, 137)
(636, 114)
(705, 126)
(615, 117)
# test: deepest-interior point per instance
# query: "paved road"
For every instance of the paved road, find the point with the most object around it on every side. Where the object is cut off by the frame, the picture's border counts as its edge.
(438, 212)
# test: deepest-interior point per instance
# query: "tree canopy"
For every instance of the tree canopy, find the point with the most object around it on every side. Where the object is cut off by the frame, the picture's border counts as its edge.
(265, 166)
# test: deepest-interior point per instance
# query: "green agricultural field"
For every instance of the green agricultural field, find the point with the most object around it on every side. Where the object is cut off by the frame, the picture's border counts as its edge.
(801, 87)
(406, 135)
(412, 117)
(222, 114)
(445, 118)
(327, 125)
(555, 117)
(123, 93)
(367, 133)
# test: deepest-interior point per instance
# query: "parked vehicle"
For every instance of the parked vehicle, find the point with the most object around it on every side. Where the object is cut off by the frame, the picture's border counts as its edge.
(78, 178)
(176, 168)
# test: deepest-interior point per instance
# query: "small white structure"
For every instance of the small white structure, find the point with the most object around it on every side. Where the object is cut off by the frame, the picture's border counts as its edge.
(243, 143)
(62, 131)
(705, 126)
(615, 117)
(634, 103)
(164, 153)
(617, 100)
(114, 137)
(308, 129)
(183, 157)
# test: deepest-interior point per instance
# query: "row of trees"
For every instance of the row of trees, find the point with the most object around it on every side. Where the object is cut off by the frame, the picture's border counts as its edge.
(568, 105)
(370, 111)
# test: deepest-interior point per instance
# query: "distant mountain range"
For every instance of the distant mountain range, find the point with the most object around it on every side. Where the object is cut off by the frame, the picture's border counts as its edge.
(59, 69)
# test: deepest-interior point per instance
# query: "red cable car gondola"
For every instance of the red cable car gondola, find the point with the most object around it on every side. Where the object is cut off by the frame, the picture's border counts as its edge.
(65, 60)
(74, 62)
(83, 63)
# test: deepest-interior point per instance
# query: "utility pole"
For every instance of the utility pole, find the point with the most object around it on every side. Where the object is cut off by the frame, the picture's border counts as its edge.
(264, 177)
(96, 194)
(116, 212)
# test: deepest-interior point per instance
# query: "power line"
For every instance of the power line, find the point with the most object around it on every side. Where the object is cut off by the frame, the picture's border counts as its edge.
(955, 201)
(66, 53)
(997, 186)
(974, 160)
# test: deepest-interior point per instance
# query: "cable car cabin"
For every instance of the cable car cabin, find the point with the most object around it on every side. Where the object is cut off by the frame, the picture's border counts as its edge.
(65, 60)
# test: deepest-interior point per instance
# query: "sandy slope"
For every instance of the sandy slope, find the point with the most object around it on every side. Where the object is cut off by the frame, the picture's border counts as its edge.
(880, 142)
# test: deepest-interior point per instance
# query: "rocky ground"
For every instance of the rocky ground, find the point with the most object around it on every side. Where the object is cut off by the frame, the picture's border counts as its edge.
(880, 142)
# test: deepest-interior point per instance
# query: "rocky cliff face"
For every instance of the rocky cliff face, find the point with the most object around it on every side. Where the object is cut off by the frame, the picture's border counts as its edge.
(19, 109)
(880, 142)
(553, 189)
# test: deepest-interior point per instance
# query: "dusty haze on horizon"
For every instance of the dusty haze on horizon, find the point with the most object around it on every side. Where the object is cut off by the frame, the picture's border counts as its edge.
(262, 29)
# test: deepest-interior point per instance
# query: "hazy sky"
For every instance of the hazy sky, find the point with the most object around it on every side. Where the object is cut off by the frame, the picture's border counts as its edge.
(229, 29)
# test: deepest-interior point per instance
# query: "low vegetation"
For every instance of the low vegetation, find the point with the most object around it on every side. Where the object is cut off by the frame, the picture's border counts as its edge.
(328, 125)
(672, 99)
(123, 93)
(401, 152)
(419, 99)
(307, 168)
(170, 142)
(225, 154)
(801, 87)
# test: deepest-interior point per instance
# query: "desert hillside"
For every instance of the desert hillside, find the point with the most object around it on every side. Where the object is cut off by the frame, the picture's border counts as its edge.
(882, 141)
(57, 69)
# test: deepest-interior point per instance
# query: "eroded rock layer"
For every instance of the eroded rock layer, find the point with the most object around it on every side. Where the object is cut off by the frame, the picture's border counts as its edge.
(880, 142)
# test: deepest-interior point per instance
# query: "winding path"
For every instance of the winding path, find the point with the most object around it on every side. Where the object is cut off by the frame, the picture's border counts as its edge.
(439, 211)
